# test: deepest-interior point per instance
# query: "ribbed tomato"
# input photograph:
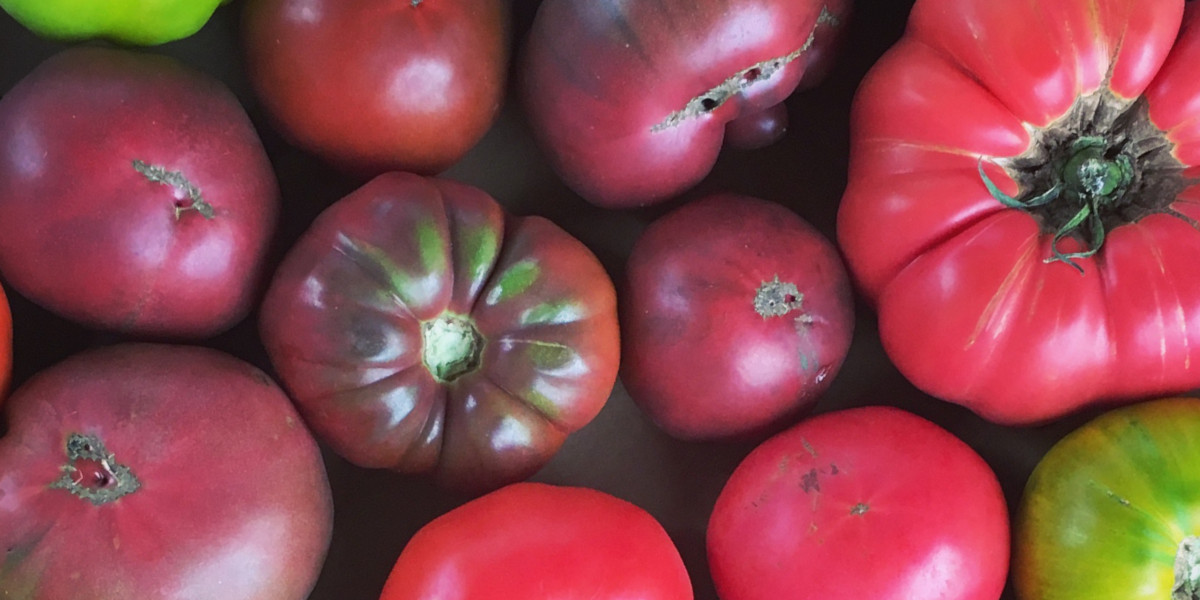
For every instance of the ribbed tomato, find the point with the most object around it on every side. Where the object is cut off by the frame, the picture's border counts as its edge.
(1021, 203)
(419, 328)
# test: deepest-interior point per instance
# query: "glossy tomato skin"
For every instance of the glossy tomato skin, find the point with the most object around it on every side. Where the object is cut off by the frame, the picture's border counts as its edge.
(231, 498)
(539, 541)
(380, 85)
(146, 22)
(1107, 509)
(1019, 338)
(711, 346)
(345, 321)
(870, 502)
(6, 345)
(601, 80)
(87, 235)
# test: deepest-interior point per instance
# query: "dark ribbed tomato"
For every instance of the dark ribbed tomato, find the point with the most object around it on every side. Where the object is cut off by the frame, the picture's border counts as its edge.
(421, 329)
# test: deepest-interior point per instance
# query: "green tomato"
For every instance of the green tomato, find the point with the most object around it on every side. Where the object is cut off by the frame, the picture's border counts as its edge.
(1113, 510)
(140, 22)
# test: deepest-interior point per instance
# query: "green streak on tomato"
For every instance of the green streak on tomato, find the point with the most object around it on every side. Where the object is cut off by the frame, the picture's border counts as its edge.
(379, 264)
(431, 245)
(552, 313)
(548, 356)
(139, 22)
(514, 280)
(481, 245)
(1106, 510)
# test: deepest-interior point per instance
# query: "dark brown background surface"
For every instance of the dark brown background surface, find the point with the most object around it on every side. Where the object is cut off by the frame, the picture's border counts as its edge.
(620, 452)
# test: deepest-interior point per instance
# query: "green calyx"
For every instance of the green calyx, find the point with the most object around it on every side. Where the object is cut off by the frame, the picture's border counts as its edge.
(451, 347)
(1092, 181)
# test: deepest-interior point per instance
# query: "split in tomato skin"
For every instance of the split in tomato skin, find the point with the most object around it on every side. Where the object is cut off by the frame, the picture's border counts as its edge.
(135, 195)
(631, 100)
(534, 541)
(871, 502)
(737, 315)
(1113, 511)
(1026, 173)
(421, 329)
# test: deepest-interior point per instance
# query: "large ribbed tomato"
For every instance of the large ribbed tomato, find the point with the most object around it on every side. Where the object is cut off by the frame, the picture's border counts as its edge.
(1021, 205)
(421, 329)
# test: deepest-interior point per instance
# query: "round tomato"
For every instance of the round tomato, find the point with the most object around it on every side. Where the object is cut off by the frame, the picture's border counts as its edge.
(1021, 206)
(732, 325)
(377, 85)
(631, 99)
(869, 502)
(1113, 510)
(5, 344)
(420, 329)
(540, 542)
(159, 472)
(135, 194)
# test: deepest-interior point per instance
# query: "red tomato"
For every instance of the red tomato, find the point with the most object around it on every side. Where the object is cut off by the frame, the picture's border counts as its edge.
(732, 325)
(420, 329)
(631, 99)
(135, 194)
(863, 503)
(1021, 205)
(5, 344)
(377, 85)
(159, 472)
(540, 542)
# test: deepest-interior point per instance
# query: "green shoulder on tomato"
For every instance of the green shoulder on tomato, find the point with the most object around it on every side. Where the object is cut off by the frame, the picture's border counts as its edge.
(1113, 510)
(140, 22)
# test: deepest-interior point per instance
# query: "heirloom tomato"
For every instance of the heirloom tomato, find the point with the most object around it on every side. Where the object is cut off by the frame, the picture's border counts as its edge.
(737, 316)
(159, 473)
(631, 99)
(1113, 510)
(378, 85)
(145, 22)
(135, 194)
(419, 328)
(535, 541)
(1021, 203)
(870, 502)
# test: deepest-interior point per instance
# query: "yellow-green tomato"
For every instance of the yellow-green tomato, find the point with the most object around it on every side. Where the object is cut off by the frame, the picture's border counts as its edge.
(1113, 510)
(140, 22)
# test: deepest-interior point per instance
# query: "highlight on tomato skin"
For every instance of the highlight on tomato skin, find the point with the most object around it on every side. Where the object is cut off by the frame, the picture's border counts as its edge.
(631, 100)
(136, 196)
(1111, 510)
(158, 471)
(870, 502)
(1025, 173)
(535, 540)
(421, 329)
(380, 85)
(736, 317)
